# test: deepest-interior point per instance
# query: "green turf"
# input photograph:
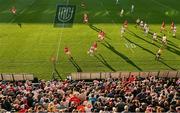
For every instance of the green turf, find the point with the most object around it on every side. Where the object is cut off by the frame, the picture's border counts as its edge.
(28, 49)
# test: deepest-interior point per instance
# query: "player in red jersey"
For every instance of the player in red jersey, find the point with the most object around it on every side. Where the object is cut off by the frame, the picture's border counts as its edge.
(125, 24)
(101, 35)
(162, 27)
(85, 19)
(14, 12)
(92, 49)
(172, 26)
(67, 52)
(95, 46)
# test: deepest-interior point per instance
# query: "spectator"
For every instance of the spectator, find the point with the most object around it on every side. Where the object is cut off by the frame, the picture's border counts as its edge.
(150, 94)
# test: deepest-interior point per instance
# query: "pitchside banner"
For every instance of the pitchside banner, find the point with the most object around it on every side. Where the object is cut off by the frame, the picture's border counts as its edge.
(64, 16)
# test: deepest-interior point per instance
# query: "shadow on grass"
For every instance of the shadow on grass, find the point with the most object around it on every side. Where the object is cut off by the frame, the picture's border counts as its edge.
(103, 61)
(94, 28)
(169, 42)
(107, 45)
(78, 68)
(147, 50)
(132, 33)
(167, 47)
(97, 30)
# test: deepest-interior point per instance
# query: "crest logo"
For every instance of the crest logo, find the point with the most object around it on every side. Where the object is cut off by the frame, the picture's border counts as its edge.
(65, 15)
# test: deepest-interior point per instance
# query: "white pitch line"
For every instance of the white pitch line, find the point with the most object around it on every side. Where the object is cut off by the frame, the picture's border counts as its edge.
(131, 50)
(60, 38)
(128, 46)
(59, 43)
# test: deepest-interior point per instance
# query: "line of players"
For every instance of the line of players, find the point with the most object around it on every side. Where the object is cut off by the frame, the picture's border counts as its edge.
(139, 23)
(101, 36)
(92, 50)
(145, 27)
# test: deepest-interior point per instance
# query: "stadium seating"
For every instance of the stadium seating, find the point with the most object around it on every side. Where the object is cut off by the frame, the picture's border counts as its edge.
(24, 90)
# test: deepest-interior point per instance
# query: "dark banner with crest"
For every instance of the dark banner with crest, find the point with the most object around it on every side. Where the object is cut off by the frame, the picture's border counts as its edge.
(64, 15)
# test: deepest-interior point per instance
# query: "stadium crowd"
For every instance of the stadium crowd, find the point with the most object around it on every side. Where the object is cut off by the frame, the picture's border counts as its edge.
(133, 94)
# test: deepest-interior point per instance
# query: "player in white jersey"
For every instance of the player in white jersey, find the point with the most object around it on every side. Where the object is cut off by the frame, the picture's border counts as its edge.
(158, 54)
(117, 1)
(164, 40)
(146, 30)
(141, 24)
(132, 8)
(122, 12)
(154, 36)
(174, 31)
(137, 22)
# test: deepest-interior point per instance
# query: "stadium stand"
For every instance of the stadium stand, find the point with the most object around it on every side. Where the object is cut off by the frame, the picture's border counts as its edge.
(134, 94)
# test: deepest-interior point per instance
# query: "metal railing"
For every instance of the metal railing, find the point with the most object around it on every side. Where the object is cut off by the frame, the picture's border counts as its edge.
(16, 77)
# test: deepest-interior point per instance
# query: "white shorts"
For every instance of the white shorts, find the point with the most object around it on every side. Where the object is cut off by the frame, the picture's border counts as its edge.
(94, 48)
(68, 53)
(86, 20)
(154, 37)
(162, 28)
